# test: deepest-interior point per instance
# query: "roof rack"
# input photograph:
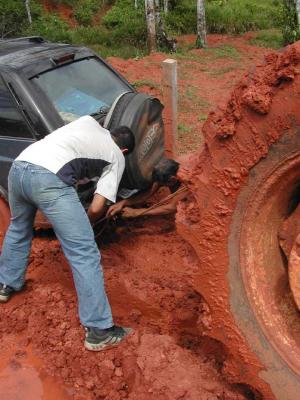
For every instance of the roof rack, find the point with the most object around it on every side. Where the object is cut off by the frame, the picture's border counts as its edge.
(33, 39)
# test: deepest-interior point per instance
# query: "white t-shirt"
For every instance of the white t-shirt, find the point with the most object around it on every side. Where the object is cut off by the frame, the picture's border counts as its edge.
(80, 150)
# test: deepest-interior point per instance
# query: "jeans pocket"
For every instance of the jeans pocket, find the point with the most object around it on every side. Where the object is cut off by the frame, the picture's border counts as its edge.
(47, 187)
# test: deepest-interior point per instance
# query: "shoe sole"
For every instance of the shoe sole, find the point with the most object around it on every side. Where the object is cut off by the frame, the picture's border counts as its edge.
(4, 299)
(103, 346)
(97, 347)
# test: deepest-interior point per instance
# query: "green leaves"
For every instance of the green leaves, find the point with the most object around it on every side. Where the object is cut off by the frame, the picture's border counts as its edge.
(127, 23)
(289, 23)
(13, 17)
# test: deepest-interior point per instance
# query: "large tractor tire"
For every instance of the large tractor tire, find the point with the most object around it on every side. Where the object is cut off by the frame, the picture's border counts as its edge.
(245, 184)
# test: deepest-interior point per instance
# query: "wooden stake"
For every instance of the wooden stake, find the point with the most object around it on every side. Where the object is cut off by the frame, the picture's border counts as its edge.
(169, 83)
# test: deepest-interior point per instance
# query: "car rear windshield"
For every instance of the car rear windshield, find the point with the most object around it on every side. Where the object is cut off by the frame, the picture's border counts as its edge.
(81, 88)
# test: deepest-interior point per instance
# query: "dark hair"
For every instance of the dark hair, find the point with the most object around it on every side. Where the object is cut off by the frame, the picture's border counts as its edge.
(164, 170)
(123, 137)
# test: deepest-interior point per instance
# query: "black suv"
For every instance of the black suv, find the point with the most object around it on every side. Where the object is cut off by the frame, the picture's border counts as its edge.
(45, 85)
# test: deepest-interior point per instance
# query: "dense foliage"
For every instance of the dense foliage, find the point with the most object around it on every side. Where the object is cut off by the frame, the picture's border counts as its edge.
(13, 16)
(127, 23)
(289, 22)
(123, 26)
(226, 16)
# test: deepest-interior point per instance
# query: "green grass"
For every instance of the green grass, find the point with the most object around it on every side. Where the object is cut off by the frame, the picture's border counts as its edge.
(186, 56)
(272, 39)
(124, 52)
(222, 71)
(183, 129)
(239, 16)
(202, 117)
(190, 92)
(187, 139)
(226, 16)
(224, 51)
(207, 55)
(145, 82)
(191, 95)
(202, 103)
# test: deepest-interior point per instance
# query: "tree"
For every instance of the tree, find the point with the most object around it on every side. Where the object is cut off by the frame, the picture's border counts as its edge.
(151, 28)
(298, 11)
(162, 39)
(201, 25)
(291, 21)
(14, 17)
(166, 6)
(27, 6)
(156, 33)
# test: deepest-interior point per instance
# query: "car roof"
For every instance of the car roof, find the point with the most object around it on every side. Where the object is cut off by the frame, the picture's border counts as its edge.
(34, 55)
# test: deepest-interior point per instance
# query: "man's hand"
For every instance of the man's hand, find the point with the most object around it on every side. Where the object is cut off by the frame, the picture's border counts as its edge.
(96, 208)
(129, 212)
(116, 208)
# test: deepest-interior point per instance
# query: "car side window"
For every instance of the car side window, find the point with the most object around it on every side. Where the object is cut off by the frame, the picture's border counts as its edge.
(11, 120)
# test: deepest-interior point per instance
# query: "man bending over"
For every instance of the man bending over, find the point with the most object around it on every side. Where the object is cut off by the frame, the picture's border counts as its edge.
(43, 177)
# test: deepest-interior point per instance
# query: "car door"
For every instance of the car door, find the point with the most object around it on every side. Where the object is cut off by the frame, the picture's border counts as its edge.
(15, 133)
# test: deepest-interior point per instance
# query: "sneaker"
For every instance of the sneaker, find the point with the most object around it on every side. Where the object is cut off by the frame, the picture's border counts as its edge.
(5, 292)
(99, 339)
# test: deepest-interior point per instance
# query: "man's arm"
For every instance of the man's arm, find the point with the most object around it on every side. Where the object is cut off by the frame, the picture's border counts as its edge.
(96, 208)
(107, 187)
(164, 209)
(137, 212)
(135, 200)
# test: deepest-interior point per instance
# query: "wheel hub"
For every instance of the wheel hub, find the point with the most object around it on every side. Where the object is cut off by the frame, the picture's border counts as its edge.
(289, 240)
(268, 216)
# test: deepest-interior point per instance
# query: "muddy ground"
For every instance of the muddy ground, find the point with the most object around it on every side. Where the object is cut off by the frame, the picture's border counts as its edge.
(149, 273)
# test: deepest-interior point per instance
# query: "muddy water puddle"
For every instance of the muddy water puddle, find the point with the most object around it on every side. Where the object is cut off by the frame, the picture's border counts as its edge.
(22, 378)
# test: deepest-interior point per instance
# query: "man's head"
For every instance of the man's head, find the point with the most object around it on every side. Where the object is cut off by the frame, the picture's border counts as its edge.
(124, 138)
(165, 172)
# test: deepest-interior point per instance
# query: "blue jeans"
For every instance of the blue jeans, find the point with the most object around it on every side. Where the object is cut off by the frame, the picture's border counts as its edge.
(31, 187)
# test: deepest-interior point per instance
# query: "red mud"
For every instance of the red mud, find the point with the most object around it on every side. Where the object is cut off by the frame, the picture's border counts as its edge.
(65, 12)
(169, 285)
(150, 286)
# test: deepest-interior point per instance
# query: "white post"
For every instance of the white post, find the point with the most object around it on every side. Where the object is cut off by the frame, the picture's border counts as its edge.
(170, 96)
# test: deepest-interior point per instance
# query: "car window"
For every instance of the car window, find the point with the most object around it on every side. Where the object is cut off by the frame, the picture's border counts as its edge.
(81, 88)
(11, 120)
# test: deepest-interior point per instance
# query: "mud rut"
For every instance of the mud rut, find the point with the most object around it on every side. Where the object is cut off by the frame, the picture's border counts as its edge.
(167, 279)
